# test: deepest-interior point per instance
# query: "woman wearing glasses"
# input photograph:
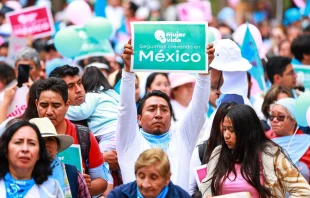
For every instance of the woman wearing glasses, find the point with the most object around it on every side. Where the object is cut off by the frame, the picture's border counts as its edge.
(247, 161)
(285, 132)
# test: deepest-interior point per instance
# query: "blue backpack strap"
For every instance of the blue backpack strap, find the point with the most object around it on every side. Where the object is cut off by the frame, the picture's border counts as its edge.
(72, 174)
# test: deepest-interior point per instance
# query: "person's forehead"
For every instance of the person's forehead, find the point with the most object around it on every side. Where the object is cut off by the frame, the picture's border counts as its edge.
(155, 100)
(50, 138)
(50, 94)
(26, 62)
(160, 78)
(278, 108)
(149, 169)
(289, 67)
(25, 132)
(71, 79)
(227, 120)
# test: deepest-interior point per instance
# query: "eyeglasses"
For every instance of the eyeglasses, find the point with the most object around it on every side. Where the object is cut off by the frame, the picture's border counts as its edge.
(279, 118)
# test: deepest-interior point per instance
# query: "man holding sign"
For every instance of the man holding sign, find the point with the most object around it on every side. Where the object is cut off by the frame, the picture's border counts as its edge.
(154, 119)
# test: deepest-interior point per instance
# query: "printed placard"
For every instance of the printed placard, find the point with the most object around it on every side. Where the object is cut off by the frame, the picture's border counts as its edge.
(303, 75)
(200, 173)
(92, 47)
(36, 22)
(72, 156)
(169, 47)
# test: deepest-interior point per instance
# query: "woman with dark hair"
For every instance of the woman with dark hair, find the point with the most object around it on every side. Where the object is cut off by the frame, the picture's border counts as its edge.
(203, 151)
(100, 109)
(158, 81)
(70, 180)
(247, 161)
(31, 111)
(24, 164)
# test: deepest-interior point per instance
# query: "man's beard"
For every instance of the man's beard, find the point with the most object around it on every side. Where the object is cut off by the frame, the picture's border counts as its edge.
(157, 132)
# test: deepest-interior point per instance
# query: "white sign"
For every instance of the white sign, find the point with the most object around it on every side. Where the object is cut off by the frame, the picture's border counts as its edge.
(19, 103)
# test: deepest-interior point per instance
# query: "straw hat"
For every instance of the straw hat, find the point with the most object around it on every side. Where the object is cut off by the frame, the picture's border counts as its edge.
(47, 129)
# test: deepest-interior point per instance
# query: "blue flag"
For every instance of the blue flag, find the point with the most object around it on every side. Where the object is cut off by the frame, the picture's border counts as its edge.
(307, 9)
(99, 8)
(249, 51)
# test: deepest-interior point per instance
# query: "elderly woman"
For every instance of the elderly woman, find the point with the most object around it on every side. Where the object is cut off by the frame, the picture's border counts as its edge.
(24, 164)
(152, 171)
(275, 93)
(70, 179)
(285, 132)
(247, 161)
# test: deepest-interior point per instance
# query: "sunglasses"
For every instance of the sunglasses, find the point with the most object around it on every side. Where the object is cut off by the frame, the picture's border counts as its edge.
(279, 118)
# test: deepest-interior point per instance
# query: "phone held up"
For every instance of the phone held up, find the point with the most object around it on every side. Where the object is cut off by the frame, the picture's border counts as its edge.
(23, 74)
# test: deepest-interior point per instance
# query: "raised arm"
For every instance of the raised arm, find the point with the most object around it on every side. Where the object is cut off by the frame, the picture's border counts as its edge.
(85, 110)
(191, 125)
(9, 94)
(126, 128)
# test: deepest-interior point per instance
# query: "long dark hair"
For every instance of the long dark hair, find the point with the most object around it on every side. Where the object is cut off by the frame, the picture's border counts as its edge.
(216, 133)
(41, 169)
(93, 79)
(251, 141)
(31, 110)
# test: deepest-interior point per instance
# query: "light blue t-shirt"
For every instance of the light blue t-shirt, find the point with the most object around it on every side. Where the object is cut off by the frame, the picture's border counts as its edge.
(100, 110)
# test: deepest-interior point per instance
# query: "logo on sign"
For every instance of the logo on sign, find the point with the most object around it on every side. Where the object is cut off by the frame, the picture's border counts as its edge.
(26, 18)
(170, 37)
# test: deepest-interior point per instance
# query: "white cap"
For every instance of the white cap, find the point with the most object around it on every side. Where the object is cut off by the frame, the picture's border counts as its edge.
(227, 57)
(99, 65)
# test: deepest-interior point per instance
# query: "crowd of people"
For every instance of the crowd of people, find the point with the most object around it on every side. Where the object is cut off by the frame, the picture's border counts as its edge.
(144, 134)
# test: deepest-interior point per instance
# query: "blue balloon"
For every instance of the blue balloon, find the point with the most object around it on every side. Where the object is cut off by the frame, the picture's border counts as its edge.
(67, 42)
(99, 28)
(301, 107)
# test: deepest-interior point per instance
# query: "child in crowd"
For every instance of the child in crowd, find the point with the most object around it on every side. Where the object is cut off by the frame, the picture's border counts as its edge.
(99, 109)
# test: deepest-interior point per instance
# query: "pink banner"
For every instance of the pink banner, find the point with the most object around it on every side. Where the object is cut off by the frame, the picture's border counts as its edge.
(33, 21)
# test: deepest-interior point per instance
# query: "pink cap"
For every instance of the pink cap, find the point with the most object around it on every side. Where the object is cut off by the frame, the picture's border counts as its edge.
(178, 79)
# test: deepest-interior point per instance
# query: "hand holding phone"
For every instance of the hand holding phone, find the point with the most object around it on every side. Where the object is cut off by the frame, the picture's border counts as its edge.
(23, 74)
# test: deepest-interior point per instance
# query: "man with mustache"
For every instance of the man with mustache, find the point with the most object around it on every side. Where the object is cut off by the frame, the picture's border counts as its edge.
(154, 120)
(52, 102)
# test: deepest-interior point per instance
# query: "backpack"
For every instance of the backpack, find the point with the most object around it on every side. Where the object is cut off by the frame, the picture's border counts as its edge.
(84, 141)
(201, 151)
(72, 174)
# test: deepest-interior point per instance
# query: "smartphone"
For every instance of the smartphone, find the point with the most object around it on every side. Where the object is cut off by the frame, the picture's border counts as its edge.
(23, 74)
